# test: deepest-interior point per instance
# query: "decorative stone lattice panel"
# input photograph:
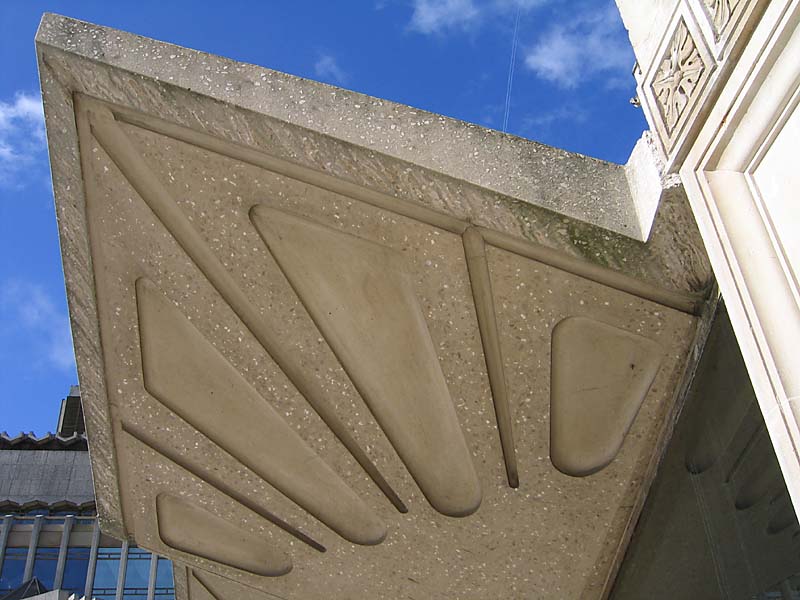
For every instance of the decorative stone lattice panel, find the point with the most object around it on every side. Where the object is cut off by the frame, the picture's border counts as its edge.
(678, 77)
(721, 12)
(724, 15)
(676, 81)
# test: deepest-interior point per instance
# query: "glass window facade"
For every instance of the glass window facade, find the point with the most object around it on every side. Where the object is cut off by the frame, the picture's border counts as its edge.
(75, 570)
(13, 568)
(165, 586)
(137, 575)
(77, 561)
(44, 566)
(106, 572)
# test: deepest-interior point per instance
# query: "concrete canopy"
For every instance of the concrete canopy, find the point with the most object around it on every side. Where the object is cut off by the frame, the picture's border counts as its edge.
(313, 331)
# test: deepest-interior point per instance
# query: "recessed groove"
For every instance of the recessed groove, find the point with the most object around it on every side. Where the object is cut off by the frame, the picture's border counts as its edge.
(187, 527)
(600, 378)
(748, 446)
(346, 284)
(189, 376)
(198, 590)
(783, 517)
(210, 591)
(217, 482)
(481, 283)
(293, 170)
(690, 303)
(91, 208)
(756, 485)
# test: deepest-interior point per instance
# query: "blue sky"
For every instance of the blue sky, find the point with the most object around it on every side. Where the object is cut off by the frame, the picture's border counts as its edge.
(571, 85)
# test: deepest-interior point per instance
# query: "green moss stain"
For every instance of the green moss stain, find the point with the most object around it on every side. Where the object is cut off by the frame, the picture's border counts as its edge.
(602, 247)
(592, 243)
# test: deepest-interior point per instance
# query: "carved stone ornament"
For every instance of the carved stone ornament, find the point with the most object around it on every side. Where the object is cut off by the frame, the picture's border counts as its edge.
(721, 12)
(678, 76)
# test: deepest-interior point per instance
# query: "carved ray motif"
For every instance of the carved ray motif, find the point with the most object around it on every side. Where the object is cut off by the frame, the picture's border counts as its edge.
(199, 590)
(481, 284)
(206, 586)
(191, 529)
(315, 249)
(213, 478)
(114, 141)
(600, 378)
(188, 375)
(360, 297)
(678, 76)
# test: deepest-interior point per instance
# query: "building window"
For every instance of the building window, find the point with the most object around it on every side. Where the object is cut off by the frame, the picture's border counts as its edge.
(165, 587)
(13, 568)
(137, 574)
(75, 570)
(44, 566)
(77, 563)
(105, 578)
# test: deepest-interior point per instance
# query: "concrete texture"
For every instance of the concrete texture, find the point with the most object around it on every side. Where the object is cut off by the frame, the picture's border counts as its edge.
(588, 189)
(379, 307)
(599, 379)
(361, 297)
(186, 374)
(649, 183)
(185, 527)
(46, 476)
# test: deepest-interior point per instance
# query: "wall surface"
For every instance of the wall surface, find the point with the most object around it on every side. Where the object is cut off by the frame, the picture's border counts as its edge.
(646, 22)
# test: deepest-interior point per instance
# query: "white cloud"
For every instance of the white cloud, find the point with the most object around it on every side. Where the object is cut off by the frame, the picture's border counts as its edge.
(31, 318)
(592, 45)
(328, 68)
(435, 16)
(26, 108)
(440, 16)
(22, 137)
